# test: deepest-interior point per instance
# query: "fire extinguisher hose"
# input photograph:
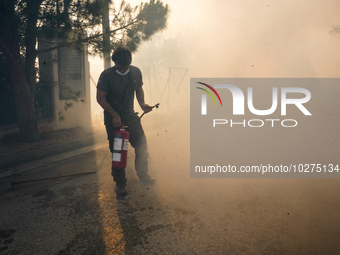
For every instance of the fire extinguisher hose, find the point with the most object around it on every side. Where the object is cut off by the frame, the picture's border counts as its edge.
(156, 105)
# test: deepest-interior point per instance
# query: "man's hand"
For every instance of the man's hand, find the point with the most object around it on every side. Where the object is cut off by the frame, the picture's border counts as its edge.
(146, 108)
(117, 122)
(101, 99)
(140, 98)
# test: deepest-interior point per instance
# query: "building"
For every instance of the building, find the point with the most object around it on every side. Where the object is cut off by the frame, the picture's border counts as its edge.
(63, 91)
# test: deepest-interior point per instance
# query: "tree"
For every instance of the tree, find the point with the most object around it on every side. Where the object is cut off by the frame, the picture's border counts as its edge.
(73, 22)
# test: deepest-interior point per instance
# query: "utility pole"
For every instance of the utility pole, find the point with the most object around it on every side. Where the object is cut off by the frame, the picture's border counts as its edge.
(106, 34)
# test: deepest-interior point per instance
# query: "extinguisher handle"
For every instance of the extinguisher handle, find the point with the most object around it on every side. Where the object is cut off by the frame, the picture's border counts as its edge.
(123, 126)
(156, 105)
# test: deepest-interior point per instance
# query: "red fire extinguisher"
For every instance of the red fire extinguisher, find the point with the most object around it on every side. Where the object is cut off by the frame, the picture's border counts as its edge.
(120, 148)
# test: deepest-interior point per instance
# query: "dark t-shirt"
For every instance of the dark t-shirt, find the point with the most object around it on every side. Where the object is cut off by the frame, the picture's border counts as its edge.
(120, 90)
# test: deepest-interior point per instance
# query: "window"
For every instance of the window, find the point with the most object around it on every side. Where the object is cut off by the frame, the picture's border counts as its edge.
(71, 73)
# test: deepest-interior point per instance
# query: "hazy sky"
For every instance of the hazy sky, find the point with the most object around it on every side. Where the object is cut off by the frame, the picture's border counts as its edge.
(255, 38)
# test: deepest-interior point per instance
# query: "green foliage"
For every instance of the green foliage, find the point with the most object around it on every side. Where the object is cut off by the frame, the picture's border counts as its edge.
(67, 19)
(79, 22)
(139, 23)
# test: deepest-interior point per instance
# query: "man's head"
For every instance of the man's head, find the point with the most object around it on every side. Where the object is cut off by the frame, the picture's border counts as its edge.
(122, 59)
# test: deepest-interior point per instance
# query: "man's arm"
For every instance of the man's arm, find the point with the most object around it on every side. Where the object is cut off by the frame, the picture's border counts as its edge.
(140, 98)
(101, 99)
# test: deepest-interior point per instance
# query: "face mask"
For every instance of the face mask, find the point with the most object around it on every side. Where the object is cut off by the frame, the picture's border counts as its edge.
(125, 73)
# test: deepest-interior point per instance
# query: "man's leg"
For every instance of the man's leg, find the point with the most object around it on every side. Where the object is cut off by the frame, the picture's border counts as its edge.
(117, 174)
(138, 142)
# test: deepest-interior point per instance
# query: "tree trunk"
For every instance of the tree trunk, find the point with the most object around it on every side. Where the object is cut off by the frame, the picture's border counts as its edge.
(24, 102)
(24, 96)
(23, 79)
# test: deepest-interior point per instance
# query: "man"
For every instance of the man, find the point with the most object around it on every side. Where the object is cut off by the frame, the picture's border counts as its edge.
(115, 94)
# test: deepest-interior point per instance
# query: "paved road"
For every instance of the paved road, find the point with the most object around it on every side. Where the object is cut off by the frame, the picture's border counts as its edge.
(177, 215)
